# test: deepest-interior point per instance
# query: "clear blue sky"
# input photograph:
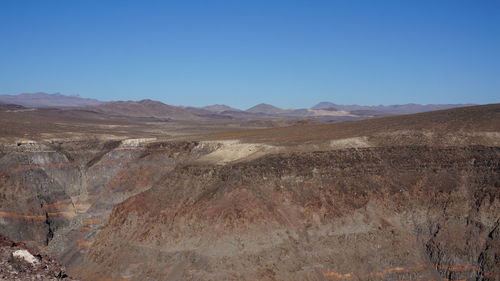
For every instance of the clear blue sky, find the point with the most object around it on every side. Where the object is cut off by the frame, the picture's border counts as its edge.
(288, 53)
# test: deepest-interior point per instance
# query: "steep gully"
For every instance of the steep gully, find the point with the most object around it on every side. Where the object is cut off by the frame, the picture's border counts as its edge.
(145, 210)
(57, 195)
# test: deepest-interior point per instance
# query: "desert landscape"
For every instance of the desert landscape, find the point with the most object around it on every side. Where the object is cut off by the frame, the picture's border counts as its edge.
(258, 140)
(161, 193)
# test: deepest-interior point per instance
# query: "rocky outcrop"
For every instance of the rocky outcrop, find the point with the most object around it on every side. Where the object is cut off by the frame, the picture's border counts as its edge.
(57, 195)
(18, 262)
(362, 213)
(394, 213)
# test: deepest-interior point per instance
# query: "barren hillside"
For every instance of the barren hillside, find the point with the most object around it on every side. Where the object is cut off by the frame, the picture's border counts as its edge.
(413, 197)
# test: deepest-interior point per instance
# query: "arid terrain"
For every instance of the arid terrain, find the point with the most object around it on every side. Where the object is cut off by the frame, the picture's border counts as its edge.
(111, 193)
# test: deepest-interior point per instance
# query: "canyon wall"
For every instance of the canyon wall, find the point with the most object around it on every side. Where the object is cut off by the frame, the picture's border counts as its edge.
(57, 195)
(387, 213)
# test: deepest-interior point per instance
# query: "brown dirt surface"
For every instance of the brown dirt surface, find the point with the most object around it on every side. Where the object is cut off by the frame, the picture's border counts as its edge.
(412, 197)
(485, 118)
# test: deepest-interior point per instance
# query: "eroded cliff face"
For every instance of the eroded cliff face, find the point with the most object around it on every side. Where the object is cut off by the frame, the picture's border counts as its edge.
(57, 195)
(141, 209)
(387, 213)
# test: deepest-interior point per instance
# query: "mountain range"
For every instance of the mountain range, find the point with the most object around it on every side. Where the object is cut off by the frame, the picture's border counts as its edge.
(397, 108)
(325, 111)
(47, 100)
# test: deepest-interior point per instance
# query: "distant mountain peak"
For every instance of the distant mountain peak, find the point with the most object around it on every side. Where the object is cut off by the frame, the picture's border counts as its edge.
(150, 102)
(265, 108)
(265, 104)
(41, 99)
(144, 108)
(324, 105)
(220, 108)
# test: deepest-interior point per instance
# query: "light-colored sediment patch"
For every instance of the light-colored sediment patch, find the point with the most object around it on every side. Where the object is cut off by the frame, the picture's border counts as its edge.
(356, 142)
(25, 255)
(320, 112)
(491, 138)
(77, 136)
(337, 275)
(233, 150)
(21, 110)
(26, 142)
(136, 142)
